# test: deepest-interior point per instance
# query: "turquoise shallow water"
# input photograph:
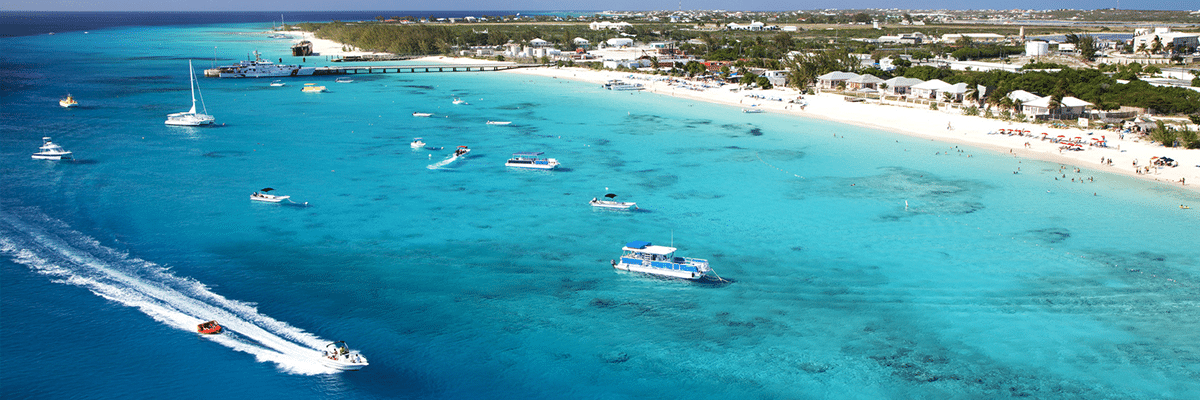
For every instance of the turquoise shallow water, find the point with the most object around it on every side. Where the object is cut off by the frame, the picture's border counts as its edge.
(475, 281)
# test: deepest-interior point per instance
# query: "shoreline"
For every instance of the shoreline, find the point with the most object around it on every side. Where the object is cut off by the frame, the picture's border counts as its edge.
(915, 122)
(922, 123)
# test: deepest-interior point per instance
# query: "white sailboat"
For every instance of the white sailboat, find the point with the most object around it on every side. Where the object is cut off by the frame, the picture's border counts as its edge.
(190, 117)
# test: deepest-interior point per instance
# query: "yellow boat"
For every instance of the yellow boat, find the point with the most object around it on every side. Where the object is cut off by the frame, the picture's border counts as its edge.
(312, 88)
(68, 102)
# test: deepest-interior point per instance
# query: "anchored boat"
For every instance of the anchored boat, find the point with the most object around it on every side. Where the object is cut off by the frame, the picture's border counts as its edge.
(644, 257)
(68, 102)
(531, 160)
(269, 198)
(612, 204)
(51, 151)
(338, 356)
(191, 117)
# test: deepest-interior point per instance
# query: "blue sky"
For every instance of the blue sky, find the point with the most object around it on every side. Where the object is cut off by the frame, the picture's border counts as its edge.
(325, 5)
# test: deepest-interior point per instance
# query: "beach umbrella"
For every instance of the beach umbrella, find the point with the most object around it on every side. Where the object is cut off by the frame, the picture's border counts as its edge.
(266, 189)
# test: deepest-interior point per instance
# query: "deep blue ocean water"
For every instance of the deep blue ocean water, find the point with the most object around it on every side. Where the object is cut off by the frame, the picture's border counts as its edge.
(475, 281)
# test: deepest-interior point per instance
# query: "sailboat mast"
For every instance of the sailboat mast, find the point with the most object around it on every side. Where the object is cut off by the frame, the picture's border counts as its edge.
(192, 85)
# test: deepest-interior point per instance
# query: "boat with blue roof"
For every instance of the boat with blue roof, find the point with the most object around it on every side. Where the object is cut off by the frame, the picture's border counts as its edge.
(531, 160)
(645, 257)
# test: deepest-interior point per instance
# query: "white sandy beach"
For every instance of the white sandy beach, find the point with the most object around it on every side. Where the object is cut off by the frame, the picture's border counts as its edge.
(930, 124)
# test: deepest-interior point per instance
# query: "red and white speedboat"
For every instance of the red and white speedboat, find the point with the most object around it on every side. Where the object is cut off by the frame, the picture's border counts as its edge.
(209, 328)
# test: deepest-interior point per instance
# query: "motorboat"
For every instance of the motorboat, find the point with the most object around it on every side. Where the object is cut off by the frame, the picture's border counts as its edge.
(344, 80)
(417, 143)
(269, 198)
(259, 68)
(458, 101)
(68, 102)
(278, 83)
(617, 84)
(421, 114)
(338, 356)
(531, 160)
(612, 204)
(499, 122)
(209, 328)
(644, 257)
(191, 117)
(752, 110)
(51, 151)
(312, 88)
(461, 151)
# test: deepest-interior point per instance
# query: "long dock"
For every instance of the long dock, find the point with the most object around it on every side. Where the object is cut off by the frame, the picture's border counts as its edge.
(410, 69)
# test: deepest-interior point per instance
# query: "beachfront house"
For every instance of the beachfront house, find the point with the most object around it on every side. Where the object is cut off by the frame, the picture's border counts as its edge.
(937, 89)
(776, 77)
(865, 81)
(833, 79)
(1068, 108)
(900, 86)
(1022, 96)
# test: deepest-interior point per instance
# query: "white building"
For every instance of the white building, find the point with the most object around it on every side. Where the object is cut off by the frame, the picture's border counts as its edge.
(538, 43)
(1069, 107)
(900, 85)
(974, 37)
(754, 26)
(602, 25)
(619, 42)
(1165, 36)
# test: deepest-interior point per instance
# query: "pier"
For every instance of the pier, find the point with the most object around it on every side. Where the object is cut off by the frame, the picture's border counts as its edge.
(408, 69)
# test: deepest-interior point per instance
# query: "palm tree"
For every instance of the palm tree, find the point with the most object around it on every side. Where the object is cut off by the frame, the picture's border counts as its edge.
(1143, 49)
(1156, 46)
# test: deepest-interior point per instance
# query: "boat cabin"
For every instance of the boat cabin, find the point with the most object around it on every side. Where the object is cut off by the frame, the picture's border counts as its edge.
(640, 252)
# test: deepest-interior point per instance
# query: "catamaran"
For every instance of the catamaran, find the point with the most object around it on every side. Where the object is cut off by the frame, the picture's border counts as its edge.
(190, 117)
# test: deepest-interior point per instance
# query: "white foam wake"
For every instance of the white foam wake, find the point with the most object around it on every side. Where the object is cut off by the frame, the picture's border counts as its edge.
(48, 247)
(443, 162)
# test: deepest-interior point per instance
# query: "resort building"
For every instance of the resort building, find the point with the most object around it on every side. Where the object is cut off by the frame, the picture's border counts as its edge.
(753, 26)
(833, 79)
(865, 81)
(937, 89)
(1022, 96)
(776, 77)
(619, 42)
(1068, 108)
(900, 86)
(974, 37)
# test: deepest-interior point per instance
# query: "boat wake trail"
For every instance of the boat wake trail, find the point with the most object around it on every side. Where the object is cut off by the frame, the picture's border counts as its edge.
(443, 162)
(49, 247)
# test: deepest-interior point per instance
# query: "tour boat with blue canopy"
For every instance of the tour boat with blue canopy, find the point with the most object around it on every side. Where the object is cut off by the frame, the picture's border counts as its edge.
(644, 257)
(531, 160)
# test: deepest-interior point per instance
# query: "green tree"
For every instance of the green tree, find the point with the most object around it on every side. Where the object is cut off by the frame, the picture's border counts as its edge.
(861, 18)
(1163, 135)
(763, 82)
(1087, 47)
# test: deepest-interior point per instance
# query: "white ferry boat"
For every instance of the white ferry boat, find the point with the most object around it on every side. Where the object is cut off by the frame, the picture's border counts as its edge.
(51, 151)
(338, 356)
(259, 68)
(647, 258)
(617, 84)
(531, 160)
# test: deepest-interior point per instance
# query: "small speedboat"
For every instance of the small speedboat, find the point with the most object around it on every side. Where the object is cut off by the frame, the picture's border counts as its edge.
(68, 102)
(752, 110)
(338, 356)
(51, 151)
(269, 198)
(499, 122)
(278, 83)
(344, 80)
(461, 151)
(417, 143)
(209, 328)
(421, 114)
(612, 204)
(531, 160)
(312, 88)
(458, 101)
